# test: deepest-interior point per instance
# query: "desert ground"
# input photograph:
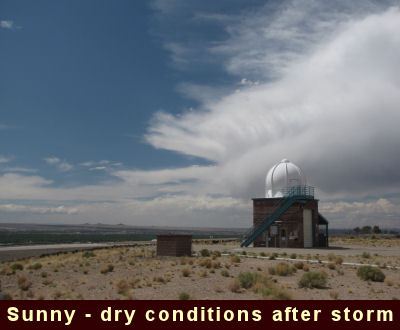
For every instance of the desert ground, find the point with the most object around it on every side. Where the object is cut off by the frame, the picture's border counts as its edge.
(215, 271)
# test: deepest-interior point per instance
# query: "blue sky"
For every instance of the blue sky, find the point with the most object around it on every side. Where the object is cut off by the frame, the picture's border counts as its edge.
(171, 112)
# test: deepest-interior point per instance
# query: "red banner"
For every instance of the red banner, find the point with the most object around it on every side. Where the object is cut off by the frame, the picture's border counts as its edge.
(199, 314)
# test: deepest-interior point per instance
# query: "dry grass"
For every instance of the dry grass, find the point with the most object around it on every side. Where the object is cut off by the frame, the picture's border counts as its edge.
(137, 274)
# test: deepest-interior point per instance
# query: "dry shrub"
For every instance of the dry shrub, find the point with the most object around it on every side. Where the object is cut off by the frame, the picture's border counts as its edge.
(224, 273)
(299, 265)
(184, 296)
(122, 286)
(367, 273)
(203, 273)
(263, 285)
(282, 269)
(218, 289)
(234, 286)
(186, 272)
(23, 283)
(215, 264)
(331, 266)
(334, 295)
(109, 268)
(306, 268)
(159, 279)
(313, 280)
(235, 259)
(205, 262)
(389, 282)
(338, 260)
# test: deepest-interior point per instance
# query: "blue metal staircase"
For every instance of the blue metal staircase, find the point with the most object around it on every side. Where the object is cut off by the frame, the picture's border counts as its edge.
(290, 196)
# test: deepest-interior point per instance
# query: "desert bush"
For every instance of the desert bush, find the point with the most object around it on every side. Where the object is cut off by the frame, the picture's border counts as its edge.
(334, 295)
(389, 282)
(88, 254)
(107, 269)
(17, 266)
(262, 285)
(122, 286)
(35, 266)
(366, 255)
(216, 253)
(313, 280)
(206, 262)
(306, 268)
(262, 254)
(235, 259)
(234, 286)
(270, 290)
(186, 272)
(299, 265)
(338, 260)
(282, 269)
(216, 264)
(205, 253)
(273, 256)
(331, 266)
(203, 273)
(184, 296)
(248, 279)
(44, 274)
(369, 273)
(224, 273)
(158, 278)
(5, 296)
(293, 256)
(23, 283)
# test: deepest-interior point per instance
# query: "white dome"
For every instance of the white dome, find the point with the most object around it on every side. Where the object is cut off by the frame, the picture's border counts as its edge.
(283, 175)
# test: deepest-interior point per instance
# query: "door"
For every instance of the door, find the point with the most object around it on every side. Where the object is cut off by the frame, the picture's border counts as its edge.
(307, 228)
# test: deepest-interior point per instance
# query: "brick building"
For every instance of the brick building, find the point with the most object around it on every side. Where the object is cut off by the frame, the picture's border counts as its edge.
(174, 245)
(288, 215)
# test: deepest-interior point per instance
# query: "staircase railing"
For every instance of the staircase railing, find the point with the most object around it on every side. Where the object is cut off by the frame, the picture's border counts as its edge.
(290, 196)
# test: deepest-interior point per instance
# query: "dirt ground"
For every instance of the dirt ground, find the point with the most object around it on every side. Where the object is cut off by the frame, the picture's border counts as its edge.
(136, 273)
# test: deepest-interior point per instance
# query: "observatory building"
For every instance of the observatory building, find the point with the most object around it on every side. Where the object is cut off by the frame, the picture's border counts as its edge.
(288, 215)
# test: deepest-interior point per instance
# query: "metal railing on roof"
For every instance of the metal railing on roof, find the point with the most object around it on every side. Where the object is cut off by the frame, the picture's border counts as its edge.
(299, 191)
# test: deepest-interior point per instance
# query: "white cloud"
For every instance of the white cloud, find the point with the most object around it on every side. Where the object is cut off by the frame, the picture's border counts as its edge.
(98, 168)
(61, 165)
(4, 159)
(6, 24)
(19, 169)
(52, 160)
(351, 214)
(331, 107)
(42, 210)
(334, 112)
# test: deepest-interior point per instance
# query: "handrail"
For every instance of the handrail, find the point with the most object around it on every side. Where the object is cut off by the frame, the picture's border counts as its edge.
(290, 195)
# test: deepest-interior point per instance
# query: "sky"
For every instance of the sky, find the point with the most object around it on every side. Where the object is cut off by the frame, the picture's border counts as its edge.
(171, 112)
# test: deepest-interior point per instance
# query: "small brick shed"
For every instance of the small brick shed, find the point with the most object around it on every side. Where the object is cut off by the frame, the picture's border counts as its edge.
(174, 245)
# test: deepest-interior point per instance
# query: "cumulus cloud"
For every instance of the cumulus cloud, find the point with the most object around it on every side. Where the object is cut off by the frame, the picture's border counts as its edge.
(61, 165)
(334, 112)
(4, 159)
(33, 209)
(321, 88)
(7, 24)
(19, 169)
